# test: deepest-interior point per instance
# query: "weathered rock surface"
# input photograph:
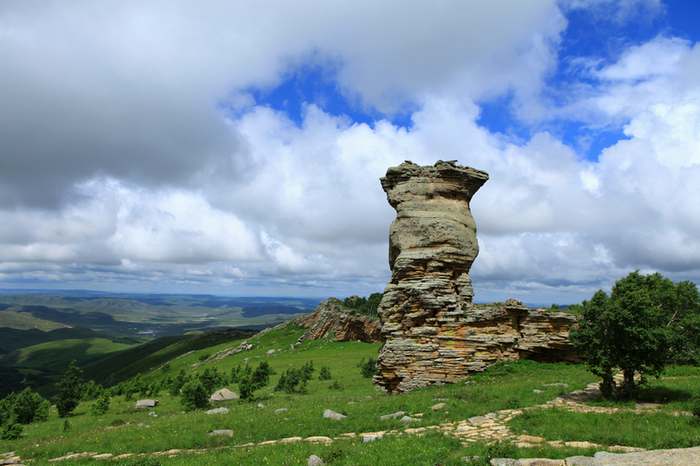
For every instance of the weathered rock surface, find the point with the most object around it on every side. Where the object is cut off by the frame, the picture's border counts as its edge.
(433, 332)
(674, 457)
(333, 320)
(223, 395)
(330, 414)
(146, 404)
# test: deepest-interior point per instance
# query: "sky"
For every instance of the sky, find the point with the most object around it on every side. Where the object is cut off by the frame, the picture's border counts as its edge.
(236, 147)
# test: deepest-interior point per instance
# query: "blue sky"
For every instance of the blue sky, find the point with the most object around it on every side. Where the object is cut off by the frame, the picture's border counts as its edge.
(237, 150)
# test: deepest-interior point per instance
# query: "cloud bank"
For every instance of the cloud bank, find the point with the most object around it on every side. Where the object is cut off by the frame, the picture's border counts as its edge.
(134, 156)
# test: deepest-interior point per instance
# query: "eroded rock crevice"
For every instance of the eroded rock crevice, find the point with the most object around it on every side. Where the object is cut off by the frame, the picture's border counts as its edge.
(433, 332)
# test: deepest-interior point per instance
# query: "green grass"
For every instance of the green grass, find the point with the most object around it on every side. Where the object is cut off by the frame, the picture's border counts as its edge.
(504, 386)
(26, 321)
(58, 354)
(650, 431)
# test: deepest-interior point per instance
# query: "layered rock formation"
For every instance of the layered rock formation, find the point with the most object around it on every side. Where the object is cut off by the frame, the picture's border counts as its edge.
(333, 320)
(433, 332)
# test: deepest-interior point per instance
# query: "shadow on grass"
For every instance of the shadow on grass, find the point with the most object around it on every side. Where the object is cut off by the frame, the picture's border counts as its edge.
(661, 394)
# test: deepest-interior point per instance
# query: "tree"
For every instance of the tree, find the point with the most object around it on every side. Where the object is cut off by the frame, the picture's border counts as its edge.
(178, 382)
(70, 390)
(101, 405)
(368, 368)
(249, 382)
(194, 395)
(29, 406)
(646, 322)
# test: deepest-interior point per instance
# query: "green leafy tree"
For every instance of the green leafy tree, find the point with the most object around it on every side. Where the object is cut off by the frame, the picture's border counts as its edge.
(255, 380)
(11, 431)
(194, 396)
(29, 406)
(101, 405)
(212, 379)
(70, 390)
(646, 322)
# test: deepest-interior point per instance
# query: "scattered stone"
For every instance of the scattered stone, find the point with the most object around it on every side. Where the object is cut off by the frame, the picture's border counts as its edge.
(319, 439)
(221, 433)
(438, 406)
(146, 404)
(270, 352)
(314, 461)
(537, 390)
(260, 405)
(281, 410)
(102, 456)
(371, 436)
(330, 414)
(221, 410)
(407, 420)
(153, 414)
(556, 384)
(223, 395)
(291, 440)
(396, 415)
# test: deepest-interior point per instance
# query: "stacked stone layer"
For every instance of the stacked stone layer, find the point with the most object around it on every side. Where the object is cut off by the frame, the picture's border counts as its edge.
(433, 332)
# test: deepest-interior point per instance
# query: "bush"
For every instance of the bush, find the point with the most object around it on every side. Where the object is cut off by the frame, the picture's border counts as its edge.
(29, 406)
(178, 382)
(295, 380)
(335, 386)
(11, 431)
(101, 405)
(203, 357)
(252, 381)
(212, 379)
(367, 306)
(368, 368)
(696, 408)
(325, 374)
(70, 390)
(194, 396)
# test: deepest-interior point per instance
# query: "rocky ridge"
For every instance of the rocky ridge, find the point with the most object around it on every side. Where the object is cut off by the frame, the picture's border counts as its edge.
(333, 320)
(433, 332)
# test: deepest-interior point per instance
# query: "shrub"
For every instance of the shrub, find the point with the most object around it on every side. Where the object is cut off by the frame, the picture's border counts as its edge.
(194, 396)
(203, 357)
(29, 406)
(368, 368)
(324, 374)
(11, 431)
(178, 382)
(335, 386)
(212, 379)
(307, 370)
(101, 405)
(292, 381)
(696, 408)
(70, 390)
(255, 380)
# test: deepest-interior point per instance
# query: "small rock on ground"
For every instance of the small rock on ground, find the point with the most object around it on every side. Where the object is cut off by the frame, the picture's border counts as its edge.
(222, 433)
(221, 410)
(438, 406)
(407, 419)
(330, 414)
(314, 461)
(396, 415)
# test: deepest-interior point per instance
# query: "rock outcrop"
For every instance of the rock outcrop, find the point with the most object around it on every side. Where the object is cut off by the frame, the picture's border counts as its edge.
(333, 320)
(433, 332)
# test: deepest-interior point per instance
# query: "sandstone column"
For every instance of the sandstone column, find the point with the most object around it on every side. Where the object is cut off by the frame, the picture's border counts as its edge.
(432, 245)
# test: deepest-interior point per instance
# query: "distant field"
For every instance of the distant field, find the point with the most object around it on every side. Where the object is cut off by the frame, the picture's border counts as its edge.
(25, 321)
(147, 315)
(58, 354)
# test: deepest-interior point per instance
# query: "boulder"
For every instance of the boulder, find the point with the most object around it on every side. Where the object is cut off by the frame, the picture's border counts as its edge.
(332, 320)
(330, 414)
(146, 404)
(396, 415)
(223, 395)
(221, 433)
(314, 460)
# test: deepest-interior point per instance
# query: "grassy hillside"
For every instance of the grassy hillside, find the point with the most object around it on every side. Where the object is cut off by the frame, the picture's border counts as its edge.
(124, 364)
(58, 354)
(13, 339)
(25, 321)
(276, 415)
